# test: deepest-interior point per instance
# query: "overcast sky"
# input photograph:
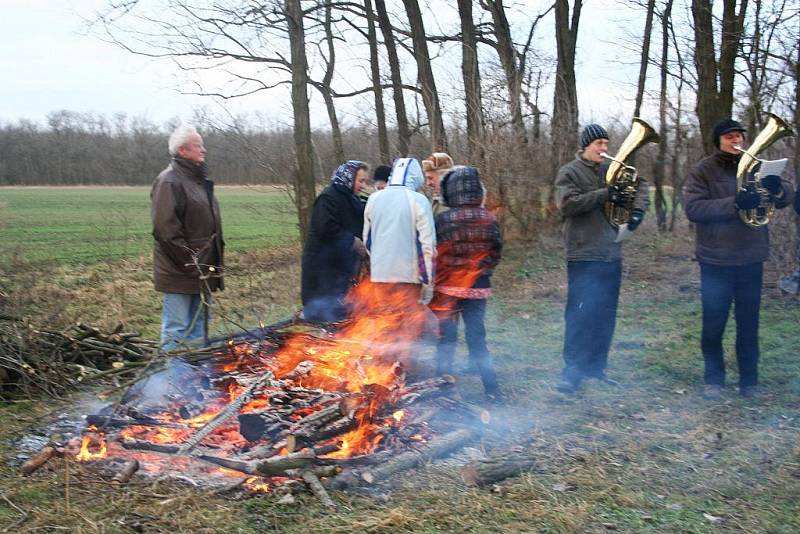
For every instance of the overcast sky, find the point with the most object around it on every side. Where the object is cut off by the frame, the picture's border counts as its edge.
(50, 63)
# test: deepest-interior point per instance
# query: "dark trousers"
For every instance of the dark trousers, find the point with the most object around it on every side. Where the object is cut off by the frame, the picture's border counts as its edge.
(590, 316)
(720, 286)
(473, 311)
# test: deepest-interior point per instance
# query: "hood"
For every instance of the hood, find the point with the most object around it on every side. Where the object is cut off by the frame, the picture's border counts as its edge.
(407, 172)
(462, 187)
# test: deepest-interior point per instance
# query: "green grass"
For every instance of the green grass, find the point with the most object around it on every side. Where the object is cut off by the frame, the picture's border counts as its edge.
(86, 225)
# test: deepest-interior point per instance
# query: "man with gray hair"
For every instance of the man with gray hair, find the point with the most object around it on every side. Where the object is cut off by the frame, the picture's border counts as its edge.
(188, 248)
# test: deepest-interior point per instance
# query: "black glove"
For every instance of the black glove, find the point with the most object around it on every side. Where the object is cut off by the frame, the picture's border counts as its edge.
(747, 199)
(635, 219)
(617, 196)
(772, 183)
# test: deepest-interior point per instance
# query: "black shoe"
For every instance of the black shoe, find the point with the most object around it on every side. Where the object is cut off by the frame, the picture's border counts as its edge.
(712, 391)
(602, 377)
(568, 387)
(750, 392)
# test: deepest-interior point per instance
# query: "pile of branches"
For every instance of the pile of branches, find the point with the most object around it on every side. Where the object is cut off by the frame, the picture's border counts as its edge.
(36, 360)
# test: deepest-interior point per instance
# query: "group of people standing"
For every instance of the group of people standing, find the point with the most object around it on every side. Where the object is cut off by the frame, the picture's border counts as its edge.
(441, 251)
(413, 250)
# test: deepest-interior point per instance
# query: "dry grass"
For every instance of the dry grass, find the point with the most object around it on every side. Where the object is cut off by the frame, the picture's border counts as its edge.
(652, 457)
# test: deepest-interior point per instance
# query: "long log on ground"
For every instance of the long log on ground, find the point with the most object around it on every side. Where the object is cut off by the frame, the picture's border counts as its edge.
(296, 460)
(106, 421)
(139, 445)
(39, 459)
(229, 411)
(236, 465)
(472, 410)
(425, 453)
(497, 468)
(126, 473)
(316, 488)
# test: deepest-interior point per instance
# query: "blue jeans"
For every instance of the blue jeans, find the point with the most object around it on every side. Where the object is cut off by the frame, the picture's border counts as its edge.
(720, 287)
(184, 320)
(590, 316)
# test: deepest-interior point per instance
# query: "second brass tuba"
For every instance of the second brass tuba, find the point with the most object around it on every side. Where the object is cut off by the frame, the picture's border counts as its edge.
(624, 176)
(775, 128)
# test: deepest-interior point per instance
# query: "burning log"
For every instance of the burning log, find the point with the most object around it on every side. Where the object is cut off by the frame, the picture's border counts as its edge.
(278, 465)
(139, 445)
(225, 413)
(409, 459)
(126, 473)
(39, 459)
(491, 470)
(306, 437)
(254, 426)
(302, 369)
(106, 421)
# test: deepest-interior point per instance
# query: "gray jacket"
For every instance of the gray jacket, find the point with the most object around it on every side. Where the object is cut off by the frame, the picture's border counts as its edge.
(581, 192)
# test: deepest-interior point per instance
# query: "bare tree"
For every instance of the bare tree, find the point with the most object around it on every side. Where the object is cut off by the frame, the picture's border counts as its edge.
(403, 130)
(472, 84)
(375, 72)
(661, 159)
(715, 79)
(640, 86)
(329, 57)
(427, 83)
(564, 125)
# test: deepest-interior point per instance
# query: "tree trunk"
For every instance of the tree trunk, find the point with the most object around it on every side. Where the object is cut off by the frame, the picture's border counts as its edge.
(375, 72)
(565, 101)
(327, 93)
(427, 83)
(472, 85)
(403, 131)
(715, 101)
(508, 59)
(648, 28)
(661, 158)
(304, 191)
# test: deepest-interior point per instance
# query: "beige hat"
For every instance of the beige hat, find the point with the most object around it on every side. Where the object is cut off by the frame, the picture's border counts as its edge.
(438, 161)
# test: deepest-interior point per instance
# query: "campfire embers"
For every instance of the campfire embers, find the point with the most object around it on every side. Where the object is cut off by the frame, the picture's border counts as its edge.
(309, 407)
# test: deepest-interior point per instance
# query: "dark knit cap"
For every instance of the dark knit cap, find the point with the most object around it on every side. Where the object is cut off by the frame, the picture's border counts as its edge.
(591, 133)
(725, 126)
(382, 173)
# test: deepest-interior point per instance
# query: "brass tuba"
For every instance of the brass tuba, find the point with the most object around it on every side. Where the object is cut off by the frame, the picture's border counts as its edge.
(775, 129)
(624, 176)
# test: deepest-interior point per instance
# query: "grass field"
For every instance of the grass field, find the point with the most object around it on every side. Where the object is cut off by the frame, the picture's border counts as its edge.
(653, 456)
(85, 225)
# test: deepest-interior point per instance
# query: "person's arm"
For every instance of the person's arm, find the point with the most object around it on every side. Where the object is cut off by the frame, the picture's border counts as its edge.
(168, 202)
(365, 237)
(571, 201)
(426, 233)
(699, 205)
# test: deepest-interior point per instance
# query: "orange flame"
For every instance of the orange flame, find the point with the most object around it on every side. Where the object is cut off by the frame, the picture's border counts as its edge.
(85, 455)
(256, 485)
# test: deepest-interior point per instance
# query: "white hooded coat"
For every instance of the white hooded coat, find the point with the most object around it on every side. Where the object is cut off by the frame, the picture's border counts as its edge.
(398, 228)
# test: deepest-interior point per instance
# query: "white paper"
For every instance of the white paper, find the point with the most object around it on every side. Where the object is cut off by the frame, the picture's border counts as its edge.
(772, 167)
(622, 233)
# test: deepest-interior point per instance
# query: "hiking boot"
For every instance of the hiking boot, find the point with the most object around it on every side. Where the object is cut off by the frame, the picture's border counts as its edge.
(567, 387)
(712, 391)
(749, 392)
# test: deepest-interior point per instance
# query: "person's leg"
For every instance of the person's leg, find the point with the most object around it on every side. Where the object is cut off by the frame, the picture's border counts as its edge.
(199, 320)
(746, 310)
(175, 320)
(716, 290)
(446, 310)
(474, 312)
(608, 279)
(578, 321)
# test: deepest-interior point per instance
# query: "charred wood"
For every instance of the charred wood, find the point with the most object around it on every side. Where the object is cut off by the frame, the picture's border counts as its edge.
(39, 459)
(126, 473)
(491, 470)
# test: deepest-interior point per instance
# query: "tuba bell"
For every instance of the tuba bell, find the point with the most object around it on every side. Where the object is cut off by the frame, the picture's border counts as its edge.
(624, 176)
(776, 128)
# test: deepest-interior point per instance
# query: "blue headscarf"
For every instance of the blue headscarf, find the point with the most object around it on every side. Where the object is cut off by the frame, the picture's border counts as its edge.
(345, 174)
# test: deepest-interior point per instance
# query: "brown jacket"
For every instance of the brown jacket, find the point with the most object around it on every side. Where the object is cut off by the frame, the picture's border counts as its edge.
(721, 236)
(186, 222)
(581, 193)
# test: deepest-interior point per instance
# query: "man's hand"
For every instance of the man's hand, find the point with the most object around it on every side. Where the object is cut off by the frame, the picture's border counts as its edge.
(772, 183)
(747, 199)
(359, 248)
(635, 219)
(617, 196)
(426, 294)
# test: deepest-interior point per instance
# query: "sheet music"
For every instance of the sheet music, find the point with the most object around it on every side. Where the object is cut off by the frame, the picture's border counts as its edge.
(772, 167)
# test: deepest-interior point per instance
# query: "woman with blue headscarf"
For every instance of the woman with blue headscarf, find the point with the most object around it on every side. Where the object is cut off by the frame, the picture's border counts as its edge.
(333, 246)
